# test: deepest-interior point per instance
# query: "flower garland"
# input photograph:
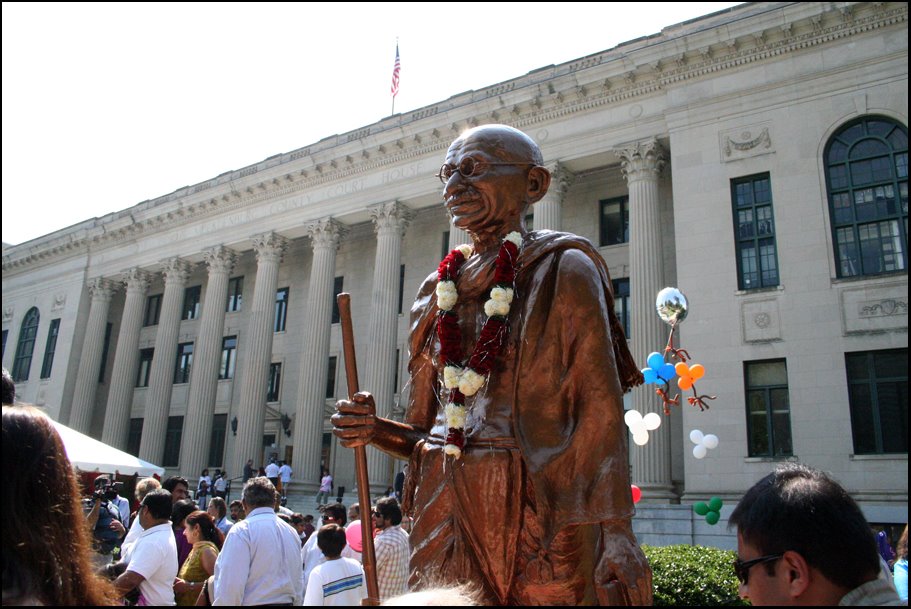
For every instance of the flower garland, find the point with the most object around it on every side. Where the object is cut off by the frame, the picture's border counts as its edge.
(464, 379)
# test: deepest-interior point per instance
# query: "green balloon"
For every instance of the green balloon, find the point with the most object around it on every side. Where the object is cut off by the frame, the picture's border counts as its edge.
(701, 508)
(712, 517)
(715, 504)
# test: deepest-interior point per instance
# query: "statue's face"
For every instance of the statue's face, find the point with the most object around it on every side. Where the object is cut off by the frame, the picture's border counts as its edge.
(493, 194)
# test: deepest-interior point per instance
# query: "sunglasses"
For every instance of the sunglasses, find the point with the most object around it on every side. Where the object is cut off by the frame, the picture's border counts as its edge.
(470, 167)
(742, 568)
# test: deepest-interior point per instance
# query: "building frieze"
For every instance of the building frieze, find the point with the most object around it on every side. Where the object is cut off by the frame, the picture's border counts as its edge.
(632, 70)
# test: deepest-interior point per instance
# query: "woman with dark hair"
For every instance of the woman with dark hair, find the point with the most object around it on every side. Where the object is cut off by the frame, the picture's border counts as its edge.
(179, 513)
(46, 544)
(200, 530)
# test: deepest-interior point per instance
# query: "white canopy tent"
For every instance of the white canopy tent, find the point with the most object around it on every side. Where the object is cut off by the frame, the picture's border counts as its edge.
(90, 455)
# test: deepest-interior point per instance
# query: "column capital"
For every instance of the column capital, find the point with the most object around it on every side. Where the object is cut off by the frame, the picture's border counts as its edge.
(137, 280)
(390, 216)
(641, 160)
(102, 289)
(220, 259)
(269, 247)
(326, 233)
(561, 179)
(176, 271)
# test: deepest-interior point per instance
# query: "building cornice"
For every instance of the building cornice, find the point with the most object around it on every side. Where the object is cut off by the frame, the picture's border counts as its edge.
(754, 32)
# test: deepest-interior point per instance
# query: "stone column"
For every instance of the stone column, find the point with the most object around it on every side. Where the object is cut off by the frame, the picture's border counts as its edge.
(101, 291)
(197, 434)
(325, 236)
(457, 237)
(257, 345)
(390, 221)
(641, 164)
(123, 377)
(161, 377)
(549, 210)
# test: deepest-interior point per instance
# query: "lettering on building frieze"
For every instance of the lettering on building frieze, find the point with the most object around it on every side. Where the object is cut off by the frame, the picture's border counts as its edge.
(245, 172)
(501, 89)
(424, 113)
(346, 188)
(400, 173)
(299, 154)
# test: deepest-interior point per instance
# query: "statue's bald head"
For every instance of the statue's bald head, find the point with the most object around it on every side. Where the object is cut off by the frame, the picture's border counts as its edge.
(504, 142)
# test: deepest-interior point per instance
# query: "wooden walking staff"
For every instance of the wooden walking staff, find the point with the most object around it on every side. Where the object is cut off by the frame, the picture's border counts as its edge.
(360, 456)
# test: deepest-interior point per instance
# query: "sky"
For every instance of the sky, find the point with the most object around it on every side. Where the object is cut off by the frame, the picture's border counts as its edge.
(108, 105)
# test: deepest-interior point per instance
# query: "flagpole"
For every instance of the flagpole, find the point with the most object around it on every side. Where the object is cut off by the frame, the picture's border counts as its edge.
(395, 75)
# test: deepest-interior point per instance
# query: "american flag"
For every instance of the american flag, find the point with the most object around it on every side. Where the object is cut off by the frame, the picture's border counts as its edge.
(395, 72)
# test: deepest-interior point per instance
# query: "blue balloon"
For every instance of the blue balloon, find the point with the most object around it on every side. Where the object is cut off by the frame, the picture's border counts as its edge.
(667, 372)
(655, 361)
(650, 375)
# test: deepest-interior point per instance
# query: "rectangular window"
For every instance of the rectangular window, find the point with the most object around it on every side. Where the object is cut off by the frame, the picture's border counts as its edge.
(445, 250)
(401, 287)
(621, 302)
(878, 395)
(49, 347)
(135, 437)
(395, 381)
(768, 408)
(191, 298)
(754, 232)
(172, 442)
(228, 357)
(614, 227)
(145, 367)
(217, 445)
(337, 289)
(281, 310)
(275, 382)
(5, 334)
(184, 363)
(330, 380)
(104, 351)
(235, 294)
(153, 310)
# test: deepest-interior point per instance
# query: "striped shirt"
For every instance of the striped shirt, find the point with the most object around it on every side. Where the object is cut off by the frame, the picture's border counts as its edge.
(393, 554)
(336, 583)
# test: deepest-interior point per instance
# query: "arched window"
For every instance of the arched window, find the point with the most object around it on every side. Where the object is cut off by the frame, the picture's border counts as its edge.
(26, 345)
(867, 180)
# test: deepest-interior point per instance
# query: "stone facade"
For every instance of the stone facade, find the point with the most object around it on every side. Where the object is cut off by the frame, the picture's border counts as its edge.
(667, 122)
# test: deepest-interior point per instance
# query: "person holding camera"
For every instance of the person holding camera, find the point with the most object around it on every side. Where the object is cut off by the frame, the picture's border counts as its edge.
(104, 520)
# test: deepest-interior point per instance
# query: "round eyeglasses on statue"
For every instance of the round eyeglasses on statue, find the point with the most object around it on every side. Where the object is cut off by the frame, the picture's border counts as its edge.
(470, 167)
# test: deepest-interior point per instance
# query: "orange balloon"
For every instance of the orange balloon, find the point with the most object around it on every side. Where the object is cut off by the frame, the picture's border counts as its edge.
(681, 369)
(697, 371)
(684, 382)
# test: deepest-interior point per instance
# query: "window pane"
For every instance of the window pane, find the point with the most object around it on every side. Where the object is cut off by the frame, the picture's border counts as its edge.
(763, 190)
(880, 128)
(847, 252)
(749, 266)
(899, 140)
(769, 263)
(838, 152)
(892, 399)
(838, 176)
(744, 194)
(868, 148)
(857, 366)
(745, 222)
(330, 381)
(861, 173)
(758, 422)
(890, 364)
(763, 374)
(614, 222)
(781, 421)
(882, 169)
(841, 202)
(862, 424)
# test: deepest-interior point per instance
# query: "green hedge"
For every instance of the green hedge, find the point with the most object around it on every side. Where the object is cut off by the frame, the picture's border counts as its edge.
(693, 575)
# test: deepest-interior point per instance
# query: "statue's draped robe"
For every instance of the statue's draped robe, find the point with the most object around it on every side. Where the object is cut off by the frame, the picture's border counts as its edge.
(546, 443)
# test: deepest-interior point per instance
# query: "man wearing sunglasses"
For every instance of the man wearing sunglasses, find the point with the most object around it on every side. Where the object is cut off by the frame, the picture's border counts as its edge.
(535, 508)
(802, 540)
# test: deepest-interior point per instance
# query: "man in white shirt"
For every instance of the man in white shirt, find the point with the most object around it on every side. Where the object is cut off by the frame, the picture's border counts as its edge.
(284, 472)
(259, 563)
(338, 582)
(153, 564)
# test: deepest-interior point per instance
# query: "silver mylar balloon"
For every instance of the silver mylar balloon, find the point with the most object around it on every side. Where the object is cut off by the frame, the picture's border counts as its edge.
(671, 306)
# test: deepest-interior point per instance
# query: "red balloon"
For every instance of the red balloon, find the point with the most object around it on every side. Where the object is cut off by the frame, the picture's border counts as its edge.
(637, 493)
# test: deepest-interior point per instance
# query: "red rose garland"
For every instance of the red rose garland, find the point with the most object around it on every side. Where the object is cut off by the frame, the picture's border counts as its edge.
(461, 378)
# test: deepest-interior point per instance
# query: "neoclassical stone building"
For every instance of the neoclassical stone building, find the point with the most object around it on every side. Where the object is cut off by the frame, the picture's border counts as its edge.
(756, 158)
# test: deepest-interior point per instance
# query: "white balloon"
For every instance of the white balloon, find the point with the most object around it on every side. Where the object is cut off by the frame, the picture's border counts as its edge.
(699, 451)
(640, 438)
(710, 441)
(652, 421)
(696, 437)
(632, 417)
